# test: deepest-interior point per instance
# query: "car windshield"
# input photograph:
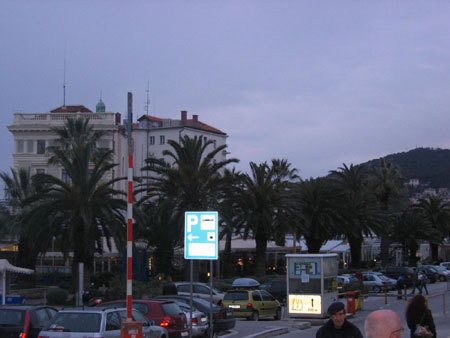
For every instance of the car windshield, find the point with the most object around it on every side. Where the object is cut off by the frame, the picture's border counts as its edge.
(439, 268)
(10, 317)
(383, 277)
(171, 309)
(75, 322)
(239, 295)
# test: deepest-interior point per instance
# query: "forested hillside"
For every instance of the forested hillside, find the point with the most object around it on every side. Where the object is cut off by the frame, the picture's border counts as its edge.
(430, 166)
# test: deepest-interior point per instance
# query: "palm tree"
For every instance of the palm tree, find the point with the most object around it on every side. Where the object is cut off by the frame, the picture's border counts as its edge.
(436, 212)
(190, 179)
(360, 212)
(268, 205)
(386, 182)
(32, 238)
(83, 209)
(317, 212)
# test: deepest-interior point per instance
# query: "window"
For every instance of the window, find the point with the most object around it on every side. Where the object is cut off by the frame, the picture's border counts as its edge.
(256, 296)
(112, 321)
(201, 289)
(40, 171)
(151, 140)
(30, 145)
(214, 144)
(41, 146)
(162, 139)
(104, 144)
(266, 296)
(20, 146)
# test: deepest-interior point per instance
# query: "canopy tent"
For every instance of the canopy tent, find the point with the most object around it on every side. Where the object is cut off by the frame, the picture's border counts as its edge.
(5, 270)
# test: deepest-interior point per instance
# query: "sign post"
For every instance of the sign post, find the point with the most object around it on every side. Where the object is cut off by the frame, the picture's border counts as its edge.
(201, 241)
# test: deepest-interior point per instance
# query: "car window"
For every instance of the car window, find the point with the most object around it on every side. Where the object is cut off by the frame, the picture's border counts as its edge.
(201, 289)
(51, 312)
(141, 307)
(42, 316)
(237, 295)
(113, 321)
(184, 288)
(76, 322)
(11, 317)
(139, 317)
(171, 309)
(266, 296)
(256, 296)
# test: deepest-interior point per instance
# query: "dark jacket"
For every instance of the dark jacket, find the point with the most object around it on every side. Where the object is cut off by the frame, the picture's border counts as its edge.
(426, 320)
(348, 330)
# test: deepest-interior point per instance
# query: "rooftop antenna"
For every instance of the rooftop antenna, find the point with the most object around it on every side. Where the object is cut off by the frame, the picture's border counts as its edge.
(147, 102)
(64, 81)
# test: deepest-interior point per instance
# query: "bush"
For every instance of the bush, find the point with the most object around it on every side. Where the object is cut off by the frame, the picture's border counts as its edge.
(57, 296)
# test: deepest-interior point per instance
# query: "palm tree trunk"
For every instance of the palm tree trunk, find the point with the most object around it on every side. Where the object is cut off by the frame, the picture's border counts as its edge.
(313, 244)
(228, 264)
(412, 248)
(261, 248)
(355, 250)
(384, 247)
(26, 259)
(434, 252)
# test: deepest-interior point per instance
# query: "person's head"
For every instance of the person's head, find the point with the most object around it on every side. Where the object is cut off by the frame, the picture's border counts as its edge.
(416, 307)
(383, 324)
(336, 311)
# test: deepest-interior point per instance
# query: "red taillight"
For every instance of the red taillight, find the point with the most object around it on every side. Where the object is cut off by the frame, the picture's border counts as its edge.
(249, 305)
(167, 321)
(219, 315)
(26, 325)
(43, 337)
(194, 321)
(221, 303)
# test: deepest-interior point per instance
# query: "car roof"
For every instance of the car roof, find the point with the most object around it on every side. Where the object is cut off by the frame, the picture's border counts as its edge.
(23, 307)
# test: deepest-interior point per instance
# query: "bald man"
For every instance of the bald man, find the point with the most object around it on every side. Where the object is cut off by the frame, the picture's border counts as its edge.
(383, 324)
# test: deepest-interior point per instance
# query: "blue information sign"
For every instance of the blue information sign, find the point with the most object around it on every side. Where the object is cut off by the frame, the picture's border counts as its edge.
(201, 235)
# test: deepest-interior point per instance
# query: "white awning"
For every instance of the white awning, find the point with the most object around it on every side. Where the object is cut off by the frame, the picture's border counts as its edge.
(5, 266)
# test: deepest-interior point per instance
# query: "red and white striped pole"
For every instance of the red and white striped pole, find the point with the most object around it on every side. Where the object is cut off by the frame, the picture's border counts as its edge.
(130, 210)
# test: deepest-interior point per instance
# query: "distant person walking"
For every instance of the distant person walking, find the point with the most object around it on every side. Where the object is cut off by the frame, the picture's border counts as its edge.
(383, 324)
(416, 282)
(423, 283)
(419, 318)
(338, 326)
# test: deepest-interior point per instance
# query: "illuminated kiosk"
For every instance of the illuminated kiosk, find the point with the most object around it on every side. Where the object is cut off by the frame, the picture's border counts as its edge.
(311, 284)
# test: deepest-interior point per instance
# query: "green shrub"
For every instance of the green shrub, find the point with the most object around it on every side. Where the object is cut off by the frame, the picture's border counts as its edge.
(57, 296)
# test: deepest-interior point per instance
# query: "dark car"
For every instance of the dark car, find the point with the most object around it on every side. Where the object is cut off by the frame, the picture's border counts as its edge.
(396, 271)
(165, 313)
(24, 320)
(223, 318)
(430, 272)
(277, 288)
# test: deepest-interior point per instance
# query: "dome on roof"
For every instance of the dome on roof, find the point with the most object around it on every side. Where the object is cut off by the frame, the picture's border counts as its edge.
(100, 107)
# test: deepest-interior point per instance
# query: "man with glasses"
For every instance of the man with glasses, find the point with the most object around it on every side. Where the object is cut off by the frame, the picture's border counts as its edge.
(338, 326)
(383, 324)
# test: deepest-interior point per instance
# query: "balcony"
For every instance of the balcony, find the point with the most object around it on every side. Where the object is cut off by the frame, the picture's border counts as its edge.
(22, 119)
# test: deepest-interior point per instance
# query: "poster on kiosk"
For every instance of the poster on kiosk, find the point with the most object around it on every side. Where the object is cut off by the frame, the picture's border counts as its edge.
(311, 284)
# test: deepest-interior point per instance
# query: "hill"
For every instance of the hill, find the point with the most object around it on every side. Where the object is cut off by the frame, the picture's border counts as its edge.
(430, 166)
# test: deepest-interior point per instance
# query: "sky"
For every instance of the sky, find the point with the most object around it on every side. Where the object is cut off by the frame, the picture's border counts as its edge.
(319, 83)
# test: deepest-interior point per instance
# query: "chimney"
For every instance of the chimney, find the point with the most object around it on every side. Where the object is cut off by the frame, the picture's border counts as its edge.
(183, 116)
(195, 118)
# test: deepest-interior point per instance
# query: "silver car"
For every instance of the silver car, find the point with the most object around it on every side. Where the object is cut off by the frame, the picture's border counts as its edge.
(199, 319)
(378, 282)
(200, 290)
(96, 323)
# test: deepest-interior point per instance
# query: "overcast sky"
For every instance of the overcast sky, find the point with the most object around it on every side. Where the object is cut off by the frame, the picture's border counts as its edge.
(319, 83)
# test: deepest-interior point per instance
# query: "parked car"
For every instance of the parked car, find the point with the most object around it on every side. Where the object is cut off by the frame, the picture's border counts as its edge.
(277, 288)
(446, 265)
(347, 282)
(430, 273)
(95, 323)
(199, 319)
(223, 318)
(200, 290)
(396, 271)
(443, 273)
(378, 282)
(252, 304)
(165, 313)
(24, 320)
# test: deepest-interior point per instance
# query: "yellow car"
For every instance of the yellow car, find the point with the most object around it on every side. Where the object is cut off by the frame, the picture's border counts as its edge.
(252, 304)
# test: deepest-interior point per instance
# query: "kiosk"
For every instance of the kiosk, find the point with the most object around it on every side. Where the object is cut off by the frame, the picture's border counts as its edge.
(311, 284)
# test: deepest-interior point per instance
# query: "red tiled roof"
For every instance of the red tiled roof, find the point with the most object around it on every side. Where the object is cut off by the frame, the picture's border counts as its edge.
(202, 126)
(151, 118)
(71, 109)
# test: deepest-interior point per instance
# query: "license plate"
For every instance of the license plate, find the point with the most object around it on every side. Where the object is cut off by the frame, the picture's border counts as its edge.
(184, 334)
(234, 306)
(203, 319)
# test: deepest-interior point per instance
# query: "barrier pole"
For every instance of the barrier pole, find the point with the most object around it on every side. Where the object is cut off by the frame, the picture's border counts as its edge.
(385, 296)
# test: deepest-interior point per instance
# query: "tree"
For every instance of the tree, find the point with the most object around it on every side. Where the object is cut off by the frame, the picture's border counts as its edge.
(317, 212)
(31, 236)
(84, 208)
(436, 212)
(360, 212)
(190, 178)
(268, 205)
(386, 182)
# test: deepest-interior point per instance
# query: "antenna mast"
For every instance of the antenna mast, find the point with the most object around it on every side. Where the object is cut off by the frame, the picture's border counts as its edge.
(64, 81)
(147, 102)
